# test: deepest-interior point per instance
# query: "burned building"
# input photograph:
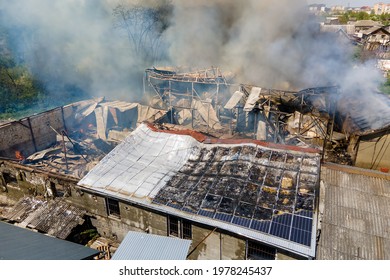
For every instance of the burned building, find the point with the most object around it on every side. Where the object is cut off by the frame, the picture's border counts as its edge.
(240, 177)
(258, 200)
(42, 157)
(193, 98)
(365, 122)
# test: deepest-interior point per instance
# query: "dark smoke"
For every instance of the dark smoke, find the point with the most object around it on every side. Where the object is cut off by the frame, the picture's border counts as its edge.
(88, 45)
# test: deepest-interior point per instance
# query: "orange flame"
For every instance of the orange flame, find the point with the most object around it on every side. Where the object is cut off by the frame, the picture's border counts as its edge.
(18, 155)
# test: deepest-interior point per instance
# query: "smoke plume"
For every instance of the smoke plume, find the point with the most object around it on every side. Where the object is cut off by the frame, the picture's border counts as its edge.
(89, 45)
(74, 46)
(273, 44)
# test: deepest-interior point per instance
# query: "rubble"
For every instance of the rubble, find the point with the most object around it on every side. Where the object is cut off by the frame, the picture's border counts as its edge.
(81, 139)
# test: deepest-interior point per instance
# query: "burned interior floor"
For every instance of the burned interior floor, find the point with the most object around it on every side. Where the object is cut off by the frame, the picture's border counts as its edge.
(269, 191)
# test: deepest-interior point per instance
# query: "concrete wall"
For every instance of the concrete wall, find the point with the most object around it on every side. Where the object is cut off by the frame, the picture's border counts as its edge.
(33, 134)
(376, 151)
(217, 246)
(17, 181)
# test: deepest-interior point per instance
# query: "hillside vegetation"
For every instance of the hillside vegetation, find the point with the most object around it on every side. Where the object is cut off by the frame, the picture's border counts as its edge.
(19, 91)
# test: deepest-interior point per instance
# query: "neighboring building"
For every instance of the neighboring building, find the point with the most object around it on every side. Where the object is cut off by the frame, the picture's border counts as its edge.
(337, 8)
(372, 149)
(362, 25)
(146, 246)
(349, 29)
(381, 8)
(317, 8)
(376, 39)
(368, 131)
(366, 9)
(354, 214)
(22, 244)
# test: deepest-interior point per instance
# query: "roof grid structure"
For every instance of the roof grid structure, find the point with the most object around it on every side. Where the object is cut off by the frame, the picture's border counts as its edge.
(263, 193)
(272, 192)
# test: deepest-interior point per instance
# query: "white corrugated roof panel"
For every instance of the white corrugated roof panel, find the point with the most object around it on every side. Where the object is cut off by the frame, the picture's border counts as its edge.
(139, 163)
(143, 246)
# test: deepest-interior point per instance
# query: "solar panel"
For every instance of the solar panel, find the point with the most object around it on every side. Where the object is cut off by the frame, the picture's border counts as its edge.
(302, 223)
(301, 236)
(241, 221)
(284, 219)
(189, 210)
(206, 213)
(223, 217)
(262, 226)
(280, 230)
(265, 191)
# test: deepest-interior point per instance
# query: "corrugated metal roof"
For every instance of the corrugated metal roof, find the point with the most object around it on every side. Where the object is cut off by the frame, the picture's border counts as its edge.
(151, 166)
(356, 218)
(22, 244)
(142, 164)
(54, 217)
(143, 246)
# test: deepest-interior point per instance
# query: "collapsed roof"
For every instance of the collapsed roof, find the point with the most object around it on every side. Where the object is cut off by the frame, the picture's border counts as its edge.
(260, 190)
(55, 217)
(71, 139)
(364, 114)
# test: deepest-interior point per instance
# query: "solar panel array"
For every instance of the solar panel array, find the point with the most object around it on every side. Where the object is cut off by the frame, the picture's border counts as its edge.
(270, 191)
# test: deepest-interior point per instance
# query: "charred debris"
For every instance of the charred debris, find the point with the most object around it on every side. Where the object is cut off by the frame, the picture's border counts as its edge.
(325, 118)
(71, 139)
(50, 152)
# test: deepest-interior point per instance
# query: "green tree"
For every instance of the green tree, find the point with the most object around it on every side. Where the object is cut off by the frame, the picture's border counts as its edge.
(385, 88)
(18, 88)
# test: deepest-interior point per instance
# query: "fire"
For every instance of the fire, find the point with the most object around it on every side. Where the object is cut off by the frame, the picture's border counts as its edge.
(19, 155)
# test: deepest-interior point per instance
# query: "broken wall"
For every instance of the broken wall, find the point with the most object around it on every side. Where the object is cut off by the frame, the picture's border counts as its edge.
(374, 153)
(34, 133)
(17, 181)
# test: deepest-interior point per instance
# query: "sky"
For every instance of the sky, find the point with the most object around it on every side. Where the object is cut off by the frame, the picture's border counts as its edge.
(352, 3)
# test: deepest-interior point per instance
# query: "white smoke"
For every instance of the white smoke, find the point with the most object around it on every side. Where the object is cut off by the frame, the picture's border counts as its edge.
(74, 44)
(273, 44)
(267, 43)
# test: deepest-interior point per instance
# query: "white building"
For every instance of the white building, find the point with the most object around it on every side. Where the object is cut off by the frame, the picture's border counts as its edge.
(381, 8)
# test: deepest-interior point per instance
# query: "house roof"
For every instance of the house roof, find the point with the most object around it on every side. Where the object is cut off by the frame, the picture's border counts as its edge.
(374, 29)
(355, 221)
(22, 244)
(367, 23)
(262, 191)
(54, 217)
(143, 246)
